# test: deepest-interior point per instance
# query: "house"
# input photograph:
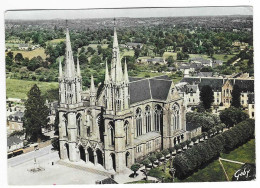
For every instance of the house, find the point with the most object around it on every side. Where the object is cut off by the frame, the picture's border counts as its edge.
(133, 45)
(14, 143)
(251, 105)
(189, 93)
(15, 121)
(156, 60)
(223, 87)
(200, 60)
(23, 47)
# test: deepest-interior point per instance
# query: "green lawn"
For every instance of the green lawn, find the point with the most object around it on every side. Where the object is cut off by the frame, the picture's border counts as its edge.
(19, 88)
(55, 41)
(214, 172)
(222, 57)
(31, 54)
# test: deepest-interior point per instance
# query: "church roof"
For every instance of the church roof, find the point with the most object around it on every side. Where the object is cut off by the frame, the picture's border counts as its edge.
(149, 88)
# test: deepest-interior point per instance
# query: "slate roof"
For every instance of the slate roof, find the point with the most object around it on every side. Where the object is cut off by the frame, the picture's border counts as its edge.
(156, 60)
(245, 85)
(217, 83)
(23, 45)
(12, 140)
(149, 88)
(16, 116)
(191, 88)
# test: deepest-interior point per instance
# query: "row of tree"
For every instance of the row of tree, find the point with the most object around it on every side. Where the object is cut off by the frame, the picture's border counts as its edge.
(192, 159)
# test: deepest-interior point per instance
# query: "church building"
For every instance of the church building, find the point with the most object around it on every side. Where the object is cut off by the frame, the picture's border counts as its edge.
(129, 119)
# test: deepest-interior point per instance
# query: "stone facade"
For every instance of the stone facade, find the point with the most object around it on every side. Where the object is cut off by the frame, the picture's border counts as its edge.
(127, 120)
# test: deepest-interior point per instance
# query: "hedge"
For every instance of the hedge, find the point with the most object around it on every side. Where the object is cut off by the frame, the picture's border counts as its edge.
(199, 155)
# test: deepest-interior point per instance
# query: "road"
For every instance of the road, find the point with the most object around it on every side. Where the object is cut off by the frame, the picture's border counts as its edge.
(23, 158)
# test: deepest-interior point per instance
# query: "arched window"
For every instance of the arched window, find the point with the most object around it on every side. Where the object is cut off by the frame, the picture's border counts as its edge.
(157, 117)
(112, 133)
(126, 129)
(176, 116)
(138, 122)
(148, 119)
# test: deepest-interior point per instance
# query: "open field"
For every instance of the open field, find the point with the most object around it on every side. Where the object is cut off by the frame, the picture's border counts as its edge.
(31, 54)
(128, 53)
(55, 41)
(19, 88)
(222, 57)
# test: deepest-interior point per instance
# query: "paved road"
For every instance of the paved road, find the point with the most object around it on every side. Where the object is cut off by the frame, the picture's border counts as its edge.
(20, 159)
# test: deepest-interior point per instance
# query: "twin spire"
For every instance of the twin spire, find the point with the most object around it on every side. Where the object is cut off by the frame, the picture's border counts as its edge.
(117, 75)
(69, 71)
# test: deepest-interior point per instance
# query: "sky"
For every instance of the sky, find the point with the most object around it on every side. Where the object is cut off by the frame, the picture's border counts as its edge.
(132, 12)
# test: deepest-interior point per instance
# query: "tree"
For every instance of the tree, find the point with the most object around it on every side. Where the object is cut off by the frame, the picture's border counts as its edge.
(146, 162)
(35, 114)
(236, 96)
(135, 167)
(165, 152)
(10, 55)
(207, 96)
(152, 158)
(232, 116)
(159, 155)
(95, 60)
(18, 57)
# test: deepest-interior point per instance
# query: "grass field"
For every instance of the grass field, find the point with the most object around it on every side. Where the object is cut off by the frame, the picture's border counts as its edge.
(128, 53)
(31, 54)
(55, 41)
(222, 57)
(19, 88)
(214, 172)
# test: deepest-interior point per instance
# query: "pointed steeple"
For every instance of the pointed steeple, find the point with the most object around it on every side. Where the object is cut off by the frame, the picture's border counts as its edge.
(92, 85)
(116, 66)
(78, 68)
(107, 74)
(70, 66)
(126, 73)
(60, 68)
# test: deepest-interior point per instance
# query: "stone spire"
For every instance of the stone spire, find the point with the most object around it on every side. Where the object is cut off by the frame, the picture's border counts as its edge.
(107, 79)
(126, 79)
(60, 68)
(116, 66)
(78, 68)
(69, 67)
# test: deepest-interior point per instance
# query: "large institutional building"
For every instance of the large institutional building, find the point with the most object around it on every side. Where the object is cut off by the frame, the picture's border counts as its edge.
(127, 120)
